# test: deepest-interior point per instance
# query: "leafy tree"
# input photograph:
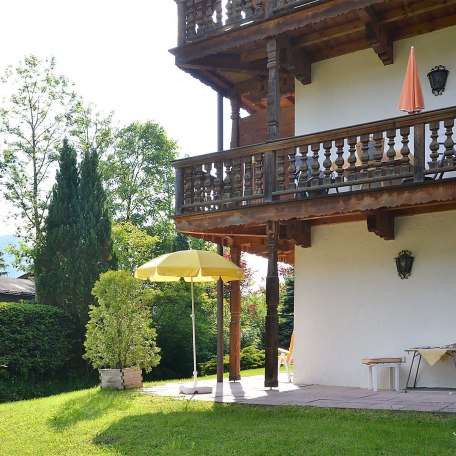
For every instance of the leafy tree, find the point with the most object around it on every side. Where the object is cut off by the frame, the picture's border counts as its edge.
(2, 264)
(119, 332)
(56, 264)
(95, 251)
(132, 246)
(33, 121)
(286, 313)
(139, 175)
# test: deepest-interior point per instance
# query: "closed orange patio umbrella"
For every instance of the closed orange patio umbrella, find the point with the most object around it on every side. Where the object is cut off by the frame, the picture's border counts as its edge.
(411, 100)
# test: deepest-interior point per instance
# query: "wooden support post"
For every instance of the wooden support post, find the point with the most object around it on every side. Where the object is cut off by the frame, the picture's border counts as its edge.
(419, 153)
(235, 323)
(180, 22)
(273, 90)
(179, 191)
(272, 302)
(235, 116)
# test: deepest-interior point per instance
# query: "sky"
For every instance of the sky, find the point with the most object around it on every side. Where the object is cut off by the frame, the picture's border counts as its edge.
(116, 54)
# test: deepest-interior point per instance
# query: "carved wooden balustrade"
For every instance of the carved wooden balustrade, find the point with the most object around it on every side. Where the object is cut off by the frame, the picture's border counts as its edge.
(395, 152)
(202, 18)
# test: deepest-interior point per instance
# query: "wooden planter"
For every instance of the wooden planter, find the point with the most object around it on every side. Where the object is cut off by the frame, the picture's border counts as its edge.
(125, 378)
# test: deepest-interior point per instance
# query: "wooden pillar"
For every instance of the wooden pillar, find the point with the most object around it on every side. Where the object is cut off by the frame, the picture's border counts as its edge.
(180, 22)
(235, 116)
(235, 323)
(272, 302)
(273, 90)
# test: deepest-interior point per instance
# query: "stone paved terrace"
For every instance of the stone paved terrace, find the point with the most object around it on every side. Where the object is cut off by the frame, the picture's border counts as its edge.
(250, 390)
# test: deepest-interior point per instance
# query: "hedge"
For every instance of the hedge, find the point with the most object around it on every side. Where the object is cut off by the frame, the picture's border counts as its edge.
(36, 340)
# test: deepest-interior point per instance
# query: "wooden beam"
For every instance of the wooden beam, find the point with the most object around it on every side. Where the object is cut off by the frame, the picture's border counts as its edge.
(382, 224)
(273, 90)
(300, 232)
(235, 322)
(272, 302)
(377, 35)
(295, 60)
(235, 116)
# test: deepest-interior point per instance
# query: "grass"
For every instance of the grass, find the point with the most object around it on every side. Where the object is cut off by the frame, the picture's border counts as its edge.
(102, 422)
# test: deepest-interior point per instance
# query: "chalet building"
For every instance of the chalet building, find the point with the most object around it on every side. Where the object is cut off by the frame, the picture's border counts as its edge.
(326, 174)
(15, 290)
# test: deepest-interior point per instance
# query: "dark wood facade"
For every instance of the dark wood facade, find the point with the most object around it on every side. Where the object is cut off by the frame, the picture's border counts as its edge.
(265, 197)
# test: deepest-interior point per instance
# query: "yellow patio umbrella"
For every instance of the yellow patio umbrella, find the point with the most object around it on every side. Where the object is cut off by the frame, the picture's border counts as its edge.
(192, 266)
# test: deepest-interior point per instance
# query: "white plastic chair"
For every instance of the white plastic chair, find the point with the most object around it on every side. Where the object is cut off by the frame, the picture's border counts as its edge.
(286, 357)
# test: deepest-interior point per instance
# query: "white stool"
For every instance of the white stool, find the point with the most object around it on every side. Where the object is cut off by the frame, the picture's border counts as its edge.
(374, 364)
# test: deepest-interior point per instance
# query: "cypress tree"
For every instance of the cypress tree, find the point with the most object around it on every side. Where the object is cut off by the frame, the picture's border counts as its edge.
(54, 264)
(286, 313)
(95, 251)
(2, 264)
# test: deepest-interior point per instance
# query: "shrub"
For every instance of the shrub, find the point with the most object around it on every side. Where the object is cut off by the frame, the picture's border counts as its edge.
(251, 358)
(35, 340)
(119, 331)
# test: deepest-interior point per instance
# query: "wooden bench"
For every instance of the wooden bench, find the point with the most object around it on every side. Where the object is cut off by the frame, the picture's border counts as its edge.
(374, 364)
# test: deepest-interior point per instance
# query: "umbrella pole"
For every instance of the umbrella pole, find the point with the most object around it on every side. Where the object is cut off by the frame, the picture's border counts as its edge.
(194, 338)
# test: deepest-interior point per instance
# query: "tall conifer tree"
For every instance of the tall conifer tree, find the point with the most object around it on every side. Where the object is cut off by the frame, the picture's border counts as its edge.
(55, 265)
(286, 313)
(95, 251)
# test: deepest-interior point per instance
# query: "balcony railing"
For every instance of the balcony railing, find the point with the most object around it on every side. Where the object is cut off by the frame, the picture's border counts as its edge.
(202, 18)
(395, 152)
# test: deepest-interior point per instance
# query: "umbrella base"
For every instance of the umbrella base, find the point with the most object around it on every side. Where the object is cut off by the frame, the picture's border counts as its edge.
(198, 389)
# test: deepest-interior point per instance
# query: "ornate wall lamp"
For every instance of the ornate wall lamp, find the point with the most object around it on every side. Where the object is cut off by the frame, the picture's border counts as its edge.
(437, 78)
(404, 263)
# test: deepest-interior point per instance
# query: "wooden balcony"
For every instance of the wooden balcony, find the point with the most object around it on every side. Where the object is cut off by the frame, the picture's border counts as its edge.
(374, 172)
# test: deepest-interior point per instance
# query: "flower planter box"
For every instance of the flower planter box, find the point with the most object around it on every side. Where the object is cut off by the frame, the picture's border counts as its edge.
(125, 378)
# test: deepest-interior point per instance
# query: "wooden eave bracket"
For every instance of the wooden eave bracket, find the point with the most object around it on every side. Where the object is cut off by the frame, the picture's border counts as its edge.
(381, 223)
(298, 231)
(294, 60)
(377, 35)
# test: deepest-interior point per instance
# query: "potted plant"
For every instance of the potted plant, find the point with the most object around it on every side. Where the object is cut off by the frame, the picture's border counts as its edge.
(120, 340)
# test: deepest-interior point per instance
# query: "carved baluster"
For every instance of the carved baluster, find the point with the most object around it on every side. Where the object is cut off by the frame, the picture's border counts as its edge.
(280, 3)
(292, 169)
(248, 175)
(237, 10)
(327, 163)
(229, 7)
(351, 158)
(190, 22)
(208, 21)
(340, 160)
(208, 183)
(198, 184)
(315, 148)
(258, 161)
(248, 8)
(258, 8)
(378, 153)
(280, 170)
(405, 151)
(188, 187)
(199, 16)
(236, 178)
(391, 153)
(218, 13)
(364, 173)
(449, 143)
(227, 182)
(304, 168)
(218, 181)
(434, 146)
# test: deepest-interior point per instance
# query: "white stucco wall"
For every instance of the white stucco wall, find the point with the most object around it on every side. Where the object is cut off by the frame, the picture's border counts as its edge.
(358, 88)
(350, 303)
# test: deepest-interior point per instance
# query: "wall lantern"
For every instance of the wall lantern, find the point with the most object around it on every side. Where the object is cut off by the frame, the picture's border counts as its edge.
(404, 262)
(438, 77)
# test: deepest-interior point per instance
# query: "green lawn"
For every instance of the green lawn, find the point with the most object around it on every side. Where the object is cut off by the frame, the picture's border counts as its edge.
(96, 422)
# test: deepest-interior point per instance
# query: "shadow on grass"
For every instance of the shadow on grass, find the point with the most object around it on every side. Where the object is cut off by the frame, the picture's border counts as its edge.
(233, 429)
(90, 405)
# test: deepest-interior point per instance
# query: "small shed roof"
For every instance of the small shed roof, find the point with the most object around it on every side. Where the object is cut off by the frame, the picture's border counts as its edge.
(17, 287)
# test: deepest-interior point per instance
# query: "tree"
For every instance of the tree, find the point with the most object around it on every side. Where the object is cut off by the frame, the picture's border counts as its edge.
(139, 175)
(95, 251)
(33, 121)
(132, 246)
(286, 313)
(119, 332)
(2, 264)
(56, 265)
